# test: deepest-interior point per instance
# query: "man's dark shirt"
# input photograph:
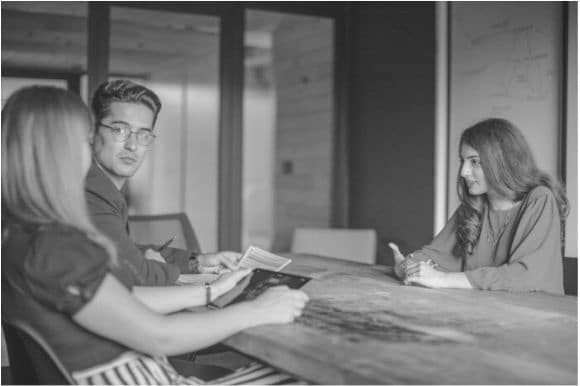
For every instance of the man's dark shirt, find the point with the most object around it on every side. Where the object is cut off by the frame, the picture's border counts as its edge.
(109, 212)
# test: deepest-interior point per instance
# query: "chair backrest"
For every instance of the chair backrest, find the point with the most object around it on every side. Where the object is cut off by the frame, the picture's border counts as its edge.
(156, 229)
(32, 361)
(358, 245)
(570, 275)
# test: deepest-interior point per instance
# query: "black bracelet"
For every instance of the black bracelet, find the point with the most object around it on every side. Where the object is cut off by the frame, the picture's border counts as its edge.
(193, 264)
(207, 293)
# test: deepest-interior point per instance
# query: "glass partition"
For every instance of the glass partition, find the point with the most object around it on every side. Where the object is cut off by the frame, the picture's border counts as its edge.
(177, 56)
(288, 126)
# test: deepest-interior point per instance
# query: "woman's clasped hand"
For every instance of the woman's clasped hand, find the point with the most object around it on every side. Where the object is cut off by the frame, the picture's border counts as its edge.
(426, 273)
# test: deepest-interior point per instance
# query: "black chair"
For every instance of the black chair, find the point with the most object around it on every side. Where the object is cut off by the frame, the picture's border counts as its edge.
(32, 361)
(570, 276)
(149, 229)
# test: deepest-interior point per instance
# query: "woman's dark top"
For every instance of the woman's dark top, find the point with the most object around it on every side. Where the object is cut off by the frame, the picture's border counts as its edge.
(49, 273)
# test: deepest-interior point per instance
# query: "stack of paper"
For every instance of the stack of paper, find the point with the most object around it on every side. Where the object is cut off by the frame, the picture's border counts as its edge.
(258, 258)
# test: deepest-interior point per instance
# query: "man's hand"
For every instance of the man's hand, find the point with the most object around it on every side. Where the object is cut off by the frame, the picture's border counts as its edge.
(218, 262)
(151, 254)
(279, 304)
(228, 280)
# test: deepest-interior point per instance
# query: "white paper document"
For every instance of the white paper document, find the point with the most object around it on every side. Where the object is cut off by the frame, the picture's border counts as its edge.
(255, 257)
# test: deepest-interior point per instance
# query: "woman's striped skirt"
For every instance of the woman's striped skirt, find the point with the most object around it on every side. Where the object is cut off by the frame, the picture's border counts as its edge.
(133, 368)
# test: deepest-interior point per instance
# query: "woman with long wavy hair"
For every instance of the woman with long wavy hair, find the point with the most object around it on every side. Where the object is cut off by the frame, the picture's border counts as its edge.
(60, 274)
(506, 234)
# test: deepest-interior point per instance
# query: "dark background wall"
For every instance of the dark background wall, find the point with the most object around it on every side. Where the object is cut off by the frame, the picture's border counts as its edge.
(391, 123)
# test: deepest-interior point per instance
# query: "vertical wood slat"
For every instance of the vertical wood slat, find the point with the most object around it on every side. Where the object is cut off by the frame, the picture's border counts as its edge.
(98, 45)
(339, 214)
(562, 121)
(441, 144)
(231, 130)
(563, 96)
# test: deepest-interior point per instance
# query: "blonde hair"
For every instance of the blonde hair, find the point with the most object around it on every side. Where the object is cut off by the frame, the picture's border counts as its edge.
(44, 130)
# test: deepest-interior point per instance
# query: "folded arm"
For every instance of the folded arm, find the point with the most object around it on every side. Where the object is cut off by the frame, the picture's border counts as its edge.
(109, 221)
(115, 314)
(176, 298)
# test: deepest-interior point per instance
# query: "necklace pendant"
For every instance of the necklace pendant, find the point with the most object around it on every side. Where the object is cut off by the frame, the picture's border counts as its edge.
(491, 237)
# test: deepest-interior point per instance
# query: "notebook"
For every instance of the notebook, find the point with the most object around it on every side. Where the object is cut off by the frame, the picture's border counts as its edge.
(256, 283)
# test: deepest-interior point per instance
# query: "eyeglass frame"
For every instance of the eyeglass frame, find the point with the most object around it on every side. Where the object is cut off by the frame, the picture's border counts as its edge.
(130, 131)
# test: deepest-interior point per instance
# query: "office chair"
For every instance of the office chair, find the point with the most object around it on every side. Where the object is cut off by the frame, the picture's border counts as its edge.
(358, 245)
(570, 275)
(32, 361)
(156, 229)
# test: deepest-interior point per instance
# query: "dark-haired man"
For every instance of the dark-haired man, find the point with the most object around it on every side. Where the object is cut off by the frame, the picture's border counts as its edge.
(125, 114)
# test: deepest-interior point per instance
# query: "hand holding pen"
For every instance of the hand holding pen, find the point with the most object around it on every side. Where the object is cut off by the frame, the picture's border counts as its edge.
(165, 244)
(155, 253)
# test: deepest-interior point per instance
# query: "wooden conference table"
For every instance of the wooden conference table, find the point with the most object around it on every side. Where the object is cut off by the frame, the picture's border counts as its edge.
(362, 326)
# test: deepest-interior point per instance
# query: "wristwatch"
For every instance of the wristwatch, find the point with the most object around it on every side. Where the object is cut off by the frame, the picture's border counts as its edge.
(193, 263)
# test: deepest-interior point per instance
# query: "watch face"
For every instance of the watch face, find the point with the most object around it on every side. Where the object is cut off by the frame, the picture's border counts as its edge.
(193, 264)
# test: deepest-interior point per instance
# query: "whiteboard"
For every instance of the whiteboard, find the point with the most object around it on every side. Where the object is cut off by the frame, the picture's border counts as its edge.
(506, 62)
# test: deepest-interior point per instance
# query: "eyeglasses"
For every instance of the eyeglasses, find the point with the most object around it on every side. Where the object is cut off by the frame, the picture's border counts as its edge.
(122, 133)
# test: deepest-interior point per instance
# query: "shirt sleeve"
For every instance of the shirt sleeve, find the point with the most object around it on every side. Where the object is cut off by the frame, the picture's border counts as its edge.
(109, 221)
(440, 249)
(65, 270)
(178, 257)
(535, 261)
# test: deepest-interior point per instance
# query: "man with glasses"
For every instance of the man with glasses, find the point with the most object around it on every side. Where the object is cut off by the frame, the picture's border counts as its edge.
(125, 114)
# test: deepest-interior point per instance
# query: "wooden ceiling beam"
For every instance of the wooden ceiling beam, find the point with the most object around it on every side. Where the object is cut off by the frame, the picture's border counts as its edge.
(73, 29)
(10, 47)
(24, 53)
(61, 40)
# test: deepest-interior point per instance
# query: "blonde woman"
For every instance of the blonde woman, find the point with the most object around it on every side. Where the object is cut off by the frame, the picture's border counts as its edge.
(61, 275)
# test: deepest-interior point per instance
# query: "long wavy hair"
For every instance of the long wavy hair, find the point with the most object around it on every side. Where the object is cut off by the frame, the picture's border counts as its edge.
(510, 170)
(44, 134)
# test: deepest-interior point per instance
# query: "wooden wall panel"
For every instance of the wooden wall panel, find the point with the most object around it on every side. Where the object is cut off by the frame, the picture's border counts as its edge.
(391, 125)
(302, 55)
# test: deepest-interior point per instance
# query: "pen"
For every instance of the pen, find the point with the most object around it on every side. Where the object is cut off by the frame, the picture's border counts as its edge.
(165, 244)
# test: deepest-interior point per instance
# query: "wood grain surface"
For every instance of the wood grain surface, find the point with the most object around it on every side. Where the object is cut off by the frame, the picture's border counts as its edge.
(362, 326)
